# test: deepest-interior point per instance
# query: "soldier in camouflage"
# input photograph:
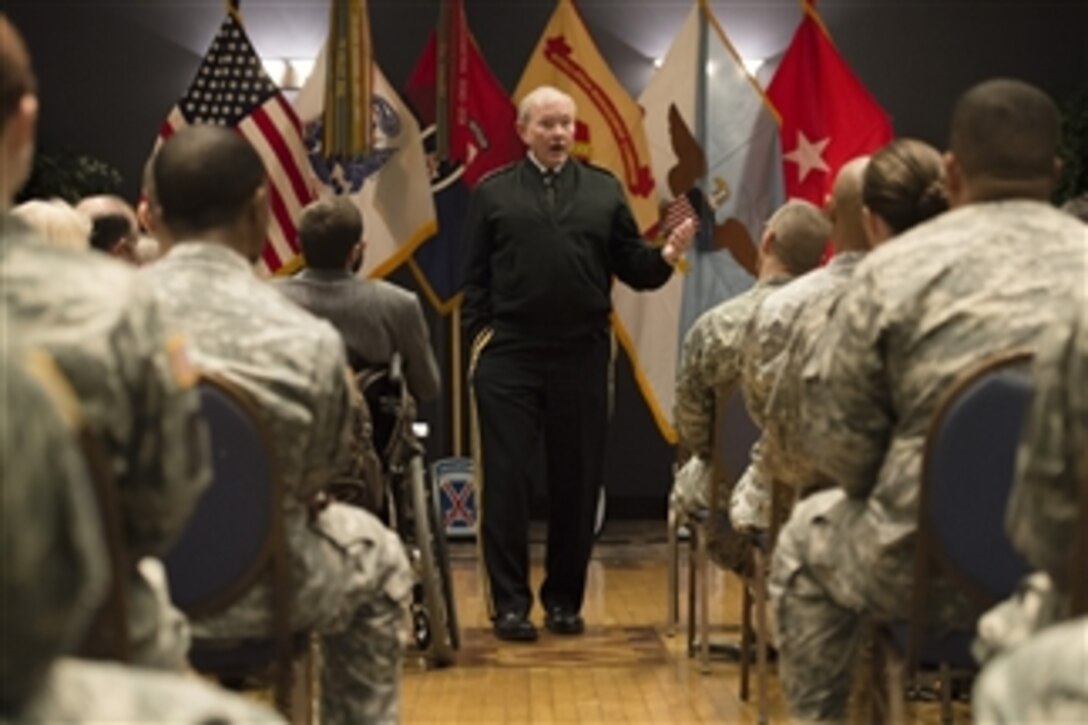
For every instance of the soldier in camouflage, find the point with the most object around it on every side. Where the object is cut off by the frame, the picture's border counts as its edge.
(770, 333)
(104, 330)
(872, 201)
(710, 362)
(1042, 515)
(55, 572)
(350, 575)
(1042, 679)
(920, 311)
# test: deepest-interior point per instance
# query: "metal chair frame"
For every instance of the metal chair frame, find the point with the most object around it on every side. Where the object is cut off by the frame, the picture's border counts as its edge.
(895, 670)
(698, 527)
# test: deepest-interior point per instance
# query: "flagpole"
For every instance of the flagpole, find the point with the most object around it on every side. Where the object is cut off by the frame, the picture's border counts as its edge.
(441, 84)
(455, 380)
(808, 7)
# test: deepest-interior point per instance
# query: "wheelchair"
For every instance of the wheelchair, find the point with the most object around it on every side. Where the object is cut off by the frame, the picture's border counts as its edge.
(409, 504)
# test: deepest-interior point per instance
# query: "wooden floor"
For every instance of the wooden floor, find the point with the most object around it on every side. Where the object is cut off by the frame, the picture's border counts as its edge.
(624, 669)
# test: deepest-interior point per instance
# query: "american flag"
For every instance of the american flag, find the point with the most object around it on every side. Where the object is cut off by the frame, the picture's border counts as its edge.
(232, 89)
(677, 212)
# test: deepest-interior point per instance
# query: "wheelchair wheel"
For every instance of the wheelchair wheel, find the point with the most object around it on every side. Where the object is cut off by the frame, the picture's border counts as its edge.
(442, 553)
(437, 623)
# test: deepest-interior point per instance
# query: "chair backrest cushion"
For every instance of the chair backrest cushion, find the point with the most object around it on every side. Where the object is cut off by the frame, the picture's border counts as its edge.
(227, 542)
(735, 434)
(969, 470)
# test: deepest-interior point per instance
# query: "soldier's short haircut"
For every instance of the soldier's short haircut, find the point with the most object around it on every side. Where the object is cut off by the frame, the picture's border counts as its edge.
(801, 231)
(905, 183)
(327, 231)
(203, 178)
(16, 75)
(108, 230)
(538, 97)
(1006, 130)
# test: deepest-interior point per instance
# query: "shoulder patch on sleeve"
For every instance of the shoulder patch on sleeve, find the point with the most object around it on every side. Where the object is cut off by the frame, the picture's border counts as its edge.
(177, 358)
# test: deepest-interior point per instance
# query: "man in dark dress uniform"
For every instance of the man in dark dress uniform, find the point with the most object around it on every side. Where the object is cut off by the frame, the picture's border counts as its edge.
(545, 236)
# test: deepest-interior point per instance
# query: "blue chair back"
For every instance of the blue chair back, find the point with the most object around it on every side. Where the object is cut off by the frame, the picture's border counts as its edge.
(229, 540)
(968, 473)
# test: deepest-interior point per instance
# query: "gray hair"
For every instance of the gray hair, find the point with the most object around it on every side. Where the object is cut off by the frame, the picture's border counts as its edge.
(541, 95)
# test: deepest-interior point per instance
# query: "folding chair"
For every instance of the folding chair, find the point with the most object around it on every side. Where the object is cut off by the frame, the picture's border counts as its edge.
(734, 435)
(236, 539)
(756, 597)
(968, 468)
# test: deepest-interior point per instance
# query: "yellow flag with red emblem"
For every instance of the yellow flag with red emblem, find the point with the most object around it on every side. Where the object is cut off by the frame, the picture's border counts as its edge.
(609, 133)
(608, 127)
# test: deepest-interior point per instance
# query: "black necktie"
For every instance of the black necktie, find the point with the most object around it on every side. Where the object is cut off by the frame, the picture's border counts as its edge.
(549, 186)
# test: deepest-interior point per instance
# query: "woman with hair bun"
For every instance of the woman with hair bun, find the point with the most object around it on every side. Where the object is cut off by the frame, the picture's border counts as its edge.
(904, 185)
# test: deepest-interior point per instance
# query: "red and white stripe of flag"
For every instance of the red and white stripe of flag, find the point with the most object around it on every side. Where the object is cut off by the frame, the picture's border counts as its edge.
(274, 131)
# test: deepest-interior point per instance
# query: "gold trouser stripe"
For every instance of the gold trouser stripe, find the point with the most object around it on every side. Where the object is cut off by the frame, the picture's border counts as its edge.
(478, 344)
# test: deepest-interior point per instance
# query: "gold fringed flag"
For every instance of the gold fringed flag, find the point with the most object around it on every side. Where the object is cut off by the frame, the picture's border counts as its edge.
(348, 67)
(390, 183)
(609, 132)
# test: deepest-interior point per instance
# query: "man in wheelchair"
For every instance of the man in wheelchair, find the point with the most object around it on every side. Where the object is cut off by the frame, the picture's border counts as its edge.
(404, 498)
(389, 350)
(375, 318)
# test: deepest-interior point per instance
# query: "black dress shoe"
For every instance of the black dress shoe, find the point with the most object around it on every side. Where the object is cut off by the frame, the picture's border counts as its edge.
(514, 627)
(563, 621)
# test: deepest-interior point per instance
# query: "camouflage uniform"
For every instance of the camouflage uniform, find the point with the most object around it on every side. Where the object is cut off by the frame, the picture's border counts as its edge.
(711, 363)
(103, 328)
(55, 572)
(1043, 509)
(921, 310)
(1041, 519)
(1042, 681)
(46, 497)
(781, 333)
(349, 572)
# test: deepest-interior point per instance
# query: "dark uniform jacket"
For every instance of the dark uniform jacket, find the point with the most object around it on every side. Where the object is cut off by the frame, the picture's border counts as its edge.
(544, 271)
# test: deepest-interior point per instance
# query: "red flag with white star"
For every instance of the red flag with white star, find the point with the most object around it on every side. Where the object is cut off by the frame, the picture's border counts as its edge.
(828, 116)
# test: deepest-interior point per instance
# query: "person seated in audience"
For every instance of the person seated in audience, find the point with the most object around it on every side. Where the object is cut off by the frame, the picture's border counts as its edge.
(792, 244)
(902, 185)
(130, 373)
(115, 229)
(980, 279)
(1077, 206)
(56, 221)
(350, 574)
(905, 184)
(1040, 675)
(146, 250)
(55, 573)
(768, 336)
(375, 318)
